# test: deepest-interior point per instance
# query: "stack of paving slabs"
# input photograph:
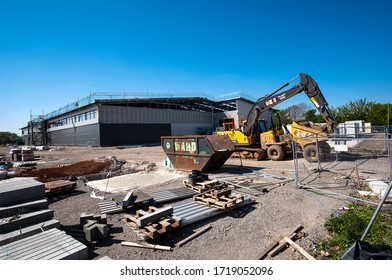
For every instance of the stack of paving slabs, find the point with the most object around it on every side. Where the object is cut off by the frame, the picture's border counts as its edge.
(24, 214)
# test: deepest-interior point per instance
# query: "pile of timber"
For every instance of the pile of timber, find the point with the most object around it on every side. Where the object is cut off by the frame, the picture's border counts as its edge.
(212, 193)
(58, 187)
(204, 186)
(221, 199)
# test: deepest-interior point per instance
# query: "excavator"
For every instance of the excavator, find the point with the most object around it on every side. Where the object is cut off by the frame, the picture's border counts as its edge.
(260, 137)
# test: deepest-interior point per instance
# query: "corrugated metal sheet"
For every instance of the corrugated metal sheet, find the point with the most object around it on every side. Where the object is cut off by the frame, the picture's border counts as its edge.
(129, 134)
(53, 244)
(82, 136)
(171, 195)
(119, 114)
(110, 206)
(191, 211)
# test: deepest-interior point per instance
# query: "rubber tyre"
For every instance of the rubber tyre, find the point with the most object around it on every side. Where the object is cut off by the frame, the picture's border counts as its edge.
(275, 152)
(259, 154)
(311, 154)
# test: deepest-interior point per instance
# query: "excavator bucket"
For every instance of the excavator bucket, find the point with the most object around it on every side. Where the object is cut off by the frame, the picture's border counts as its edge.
(197, 152)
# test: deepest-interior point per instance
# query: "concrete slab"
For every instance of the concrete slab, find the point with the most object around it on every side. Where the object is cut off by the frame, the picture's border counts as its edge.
(379, 188)
(23, 208)
(19, 190)
(21, 233)
(24, 220)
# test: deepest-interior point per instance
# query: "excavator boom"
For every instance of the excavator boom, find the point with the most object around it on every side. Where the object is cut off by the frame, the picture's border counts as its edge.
(307, 85)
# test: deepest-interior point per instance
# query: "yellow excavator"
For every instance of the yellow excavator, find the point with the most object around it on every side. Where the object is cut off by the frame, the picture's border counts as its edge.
(260, 137)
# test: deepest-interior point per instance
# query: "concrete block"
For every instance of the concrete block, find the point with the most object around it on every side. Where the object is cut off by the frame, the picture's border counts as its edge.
(47, 245)
(91, 231)
(103, 230)
(84, 218)
(19, 190)
(24, 232)
(24, 220)
(23, 208)
(94, 231)
(127, 199)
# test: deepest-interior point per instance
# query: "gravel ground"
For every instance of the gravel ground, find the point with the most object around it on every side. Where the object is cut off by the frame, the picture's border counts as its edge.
(238, 234)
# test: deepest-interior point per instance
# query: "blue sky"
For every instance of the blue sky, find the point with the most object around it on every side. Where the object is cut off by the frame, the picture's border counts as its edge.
(54, 52)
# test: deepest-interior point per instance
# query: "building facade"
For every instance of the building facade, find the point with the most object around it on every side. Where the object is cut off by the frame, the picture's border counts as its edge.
(133, 121)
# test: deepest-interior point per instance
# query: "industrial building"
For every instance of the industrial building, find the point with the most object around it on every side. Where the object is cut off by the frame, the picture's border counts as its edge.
(115, 119)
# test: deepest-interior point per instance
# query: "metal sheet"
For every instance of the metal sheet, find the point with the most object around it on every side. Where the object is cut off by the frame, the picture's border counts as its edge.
(191, 211)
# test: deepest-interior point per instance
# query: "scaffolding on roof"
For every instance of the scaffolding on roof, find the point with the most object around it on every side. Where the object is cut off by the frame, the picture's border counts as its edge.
(106, 96)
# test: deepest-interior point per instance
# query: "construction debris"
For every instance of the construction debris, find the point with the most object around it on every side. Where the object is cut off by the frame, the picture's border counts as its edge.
(275, 247)
(298, 248)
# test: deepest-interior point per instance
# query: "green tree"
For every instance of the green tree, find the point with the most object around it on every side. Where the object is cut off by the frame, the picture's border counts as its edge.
(312, 116)
(379, 114)
(375, 113)
(356, 110)
(8, 137)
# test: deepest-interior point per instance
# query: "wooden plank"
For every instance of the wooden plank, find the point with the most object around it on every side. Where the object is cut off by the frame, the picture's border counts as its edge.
(193, 236)
(146, 245)
(298, 248)
(151, 217)
(281, 244)
(358, 179)
(269, 248)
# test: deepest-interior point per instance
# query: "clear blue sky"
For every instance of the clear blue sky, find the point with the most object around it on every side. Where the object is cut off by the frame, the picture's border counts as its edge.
(54, 52)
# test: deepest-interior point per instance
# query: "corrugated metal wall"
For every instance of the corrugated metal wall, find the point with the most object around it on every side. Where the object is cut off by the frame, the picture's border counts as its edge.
(122, 115)
(87, 135)
(130, 134)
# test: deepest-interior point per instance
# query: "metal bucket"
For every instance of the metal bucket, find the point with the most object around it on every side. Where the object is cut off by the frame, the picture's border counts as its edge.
(197, 152)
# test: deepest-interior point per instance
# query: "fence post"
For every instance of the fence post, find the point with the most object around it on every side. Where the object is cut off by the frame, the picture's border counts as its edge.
(295, 158)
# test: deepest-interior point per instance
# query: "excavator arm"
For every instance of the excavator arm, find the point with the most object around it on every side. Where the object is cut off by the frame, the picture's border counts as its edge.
(307, 85)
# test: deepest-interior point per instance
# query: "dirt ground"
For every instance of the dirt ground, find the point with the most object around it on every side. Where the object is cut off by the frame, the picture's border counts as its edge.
(238, 234)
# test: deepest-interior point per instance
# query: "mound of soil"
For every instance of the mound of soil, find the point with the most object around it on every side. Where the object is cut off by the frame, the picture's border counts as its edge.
(77, 169)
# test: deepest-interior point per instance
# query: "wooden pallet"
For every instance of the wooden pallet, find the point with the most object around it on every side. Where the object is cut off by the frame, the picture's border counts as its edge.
(152, 223)
(222, 199)
(60, 186)
(201, 187)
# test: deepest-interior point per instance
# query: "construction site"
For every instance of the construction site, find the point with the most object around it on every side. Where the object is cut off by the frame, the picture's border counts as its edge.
(186, 179)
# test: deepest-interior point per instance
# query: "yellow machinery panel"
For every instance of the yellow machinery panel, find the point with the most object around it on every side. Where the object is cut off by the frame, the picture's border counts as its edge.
(235, 136)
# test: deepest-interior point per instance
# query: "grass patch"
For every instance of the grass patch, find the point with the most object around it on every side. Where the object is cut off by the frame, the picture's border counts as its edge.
(347, 227)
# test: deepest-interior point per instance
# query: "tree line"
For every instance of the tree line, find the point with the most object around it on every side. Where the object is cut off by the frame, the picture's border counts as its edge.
(372, 112)
(8, 138)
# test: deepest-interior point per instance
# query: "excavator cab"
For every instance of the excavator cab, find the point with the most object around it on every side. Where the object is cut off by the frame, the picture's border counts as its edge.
(272, 130)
